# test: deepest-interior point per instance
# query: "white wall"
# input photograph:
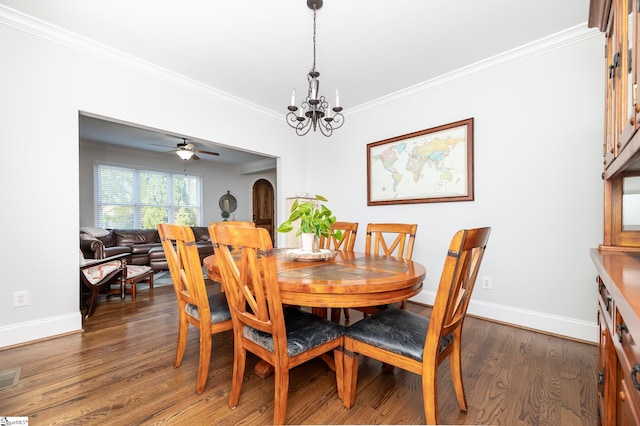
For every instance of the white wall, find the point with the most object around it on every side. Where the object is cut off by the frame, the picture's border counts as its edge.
(45, 81)
(537, 169)
(538, 160)
(217, 179)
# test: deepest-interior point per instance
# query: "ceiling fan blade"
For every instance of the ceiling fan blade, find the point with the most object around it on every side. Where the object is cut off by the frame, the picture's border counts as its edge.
(188, 146)
(206, 152)
(165, 146)
(194, 157)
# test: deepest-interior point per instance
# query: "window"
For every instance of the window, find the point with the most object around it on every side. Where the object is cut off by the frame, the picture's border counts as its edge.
(128, 198)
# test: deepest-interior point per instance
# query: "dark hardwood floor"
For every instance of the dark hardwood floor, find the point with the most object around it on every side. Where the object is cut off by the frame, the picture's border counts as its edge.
(119, 372)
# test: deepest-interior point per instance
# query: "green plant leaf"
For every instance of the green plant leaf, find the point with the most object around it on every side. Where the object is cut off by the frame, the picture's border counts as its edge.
(314, 217)
(286, 226)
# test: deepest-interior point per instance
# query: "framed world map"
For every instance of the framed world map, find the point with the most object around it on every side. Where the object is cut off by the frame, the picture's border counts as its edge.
(429, 166)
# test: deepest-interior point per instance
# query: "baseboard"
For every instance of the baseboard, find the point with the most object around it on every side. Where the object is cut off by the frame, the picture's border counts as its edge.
(541, 321)
(15, 334)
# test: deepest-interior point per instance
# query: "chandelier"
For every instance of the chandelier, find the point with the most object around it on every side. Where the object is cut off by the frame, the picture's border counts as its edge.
(314, 112)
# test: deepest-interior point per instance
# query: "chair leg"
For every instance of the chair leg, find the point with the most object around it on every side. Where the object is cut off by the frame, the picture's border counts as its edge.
(123, 286)
(338, 357)
(203, 363)
(335, 315)
(93, 301)
(429, 397)
(350, 377)
(455, 362)
(239, 362)
(281, 395)
(183, 333)
(336, 312)
(320, 312)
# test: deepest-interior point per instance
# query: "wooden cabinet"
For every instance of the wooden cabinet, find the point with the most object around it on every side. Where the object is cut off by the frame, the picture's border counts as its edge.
(619, 20)
(606, 377)
(618, 287)
(617, 260)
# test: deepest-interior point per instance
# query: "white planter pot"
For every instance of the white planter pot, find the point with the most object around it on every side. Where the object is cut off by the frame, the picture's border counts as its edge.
(307, 241)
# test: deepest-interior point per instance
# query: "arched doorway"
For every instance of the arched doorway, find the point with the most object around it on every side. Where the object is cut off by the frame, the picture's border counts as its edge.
(263, 206)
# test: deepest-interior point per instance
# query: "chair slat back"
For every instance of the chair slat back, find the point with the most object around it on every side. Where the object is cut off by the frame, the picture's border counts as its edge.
(180, 249)
(347, 241)
(391, 239)
(250, 279)
(456, 285)
(217, 277)
(235, 223)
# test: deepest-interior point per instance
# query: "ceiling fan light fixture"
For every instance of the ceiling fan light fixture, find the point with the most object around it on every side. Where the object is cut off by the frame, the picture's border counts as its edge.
(184, 154)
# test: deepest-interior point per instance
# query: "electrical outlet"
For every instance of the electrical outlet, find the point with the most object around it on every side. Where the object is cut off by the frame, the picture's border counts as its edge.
(486, 282)
(20, 298)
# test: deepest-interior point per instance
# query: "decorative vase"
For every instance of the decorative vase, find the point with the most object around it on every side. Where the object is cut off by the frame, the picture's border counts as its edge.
(307, 241)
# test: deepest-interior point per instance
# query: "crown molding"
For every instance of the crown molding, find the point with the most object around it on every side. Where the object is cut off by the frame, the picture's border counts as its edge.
(542, 46)
(39, 28)
(55, 34)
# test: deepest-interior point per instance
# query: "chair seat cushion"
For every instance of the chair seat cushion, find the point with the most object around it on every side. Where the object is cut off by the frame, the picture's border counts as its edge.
(217, 305)
(395, 330)
(304, 331)
(135, 271)
(96, 273)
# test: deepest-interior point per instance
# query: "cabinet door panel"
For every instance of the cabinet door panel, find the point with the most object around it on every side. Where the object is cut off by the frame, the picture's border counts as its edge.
(628, 69)
(612, 97)
(627, 409)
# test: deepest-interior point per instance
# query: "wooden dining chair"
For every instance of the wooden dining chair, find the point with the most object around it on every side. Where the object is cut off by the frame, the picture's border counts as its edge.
(214, 275)
(418, 344)
(345, 241)
(389, 239)
(284, 337)
(208, 313)
(235, 223)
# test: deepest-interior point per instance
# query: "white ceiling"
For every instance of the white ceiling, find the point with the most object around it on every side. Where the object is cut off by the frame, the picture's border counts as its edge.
(259, 50)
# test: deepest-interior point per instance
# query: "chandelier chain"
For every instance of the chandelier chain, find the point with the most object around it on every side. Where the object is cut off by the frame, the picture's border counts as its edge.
(314, 38)
(315, 111)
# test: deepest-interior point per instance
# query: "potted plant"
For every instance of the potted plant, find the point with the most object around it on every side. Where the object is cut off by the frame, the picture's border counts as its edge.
(315, 219)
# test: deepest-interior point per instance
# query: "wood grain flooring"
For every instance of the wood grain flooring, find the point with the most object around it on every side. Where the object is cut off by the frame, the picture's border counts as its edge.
(119, 372)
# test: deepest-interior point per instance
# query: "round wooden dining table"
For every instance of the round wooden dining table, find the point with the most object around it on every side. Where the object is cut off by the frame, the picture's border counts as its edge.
(348, 280)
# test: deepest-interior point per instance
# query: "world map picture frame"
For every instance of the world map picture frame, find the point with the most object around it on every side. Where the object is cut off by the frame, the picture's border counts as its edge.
(428, 166)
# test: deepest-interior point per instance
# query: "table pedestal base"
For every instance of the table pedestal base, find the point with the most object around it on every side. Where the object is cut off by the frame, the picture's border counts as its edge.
(263, 369)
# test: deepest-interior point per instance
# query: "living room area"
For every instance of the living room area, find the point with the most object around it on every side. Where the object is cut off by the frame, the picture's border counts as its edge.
(159, 186)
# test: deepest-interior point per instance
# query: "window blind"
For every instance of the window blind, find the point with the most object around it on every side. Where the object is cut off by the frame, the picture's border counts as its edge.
(130, 198)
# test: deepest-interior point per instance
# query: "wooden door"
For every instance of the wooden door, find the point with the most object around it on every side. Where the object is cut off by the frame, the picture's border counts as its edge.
(263, 206)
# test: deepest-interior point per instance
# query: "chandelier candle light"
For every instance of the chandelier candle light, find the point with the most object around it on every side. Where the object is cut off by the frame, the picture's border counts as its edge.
(314, 112)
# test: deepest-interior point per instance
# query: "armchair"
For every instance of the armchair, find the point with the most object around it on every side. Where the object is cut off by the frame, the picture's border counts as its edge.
(97, 274)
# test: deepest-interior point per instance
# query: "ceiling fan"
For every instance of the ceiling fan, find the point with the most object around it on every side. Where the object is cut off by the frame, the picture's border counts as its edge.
(188, 151)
